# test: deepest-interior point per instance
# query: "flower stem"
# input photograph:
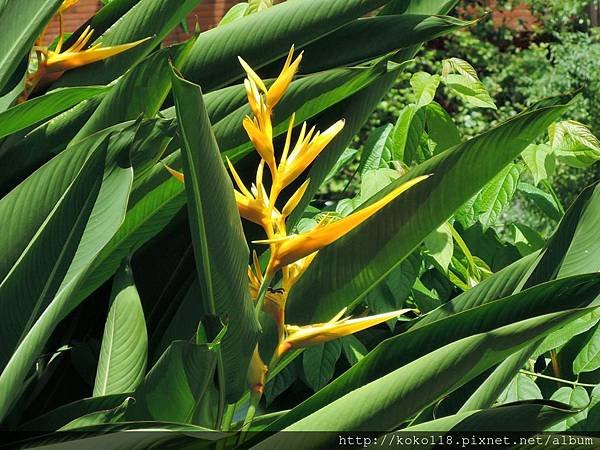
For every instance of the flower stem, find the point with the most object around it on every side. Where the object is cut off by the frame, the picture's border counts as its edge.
(260, 297)
(560, 380)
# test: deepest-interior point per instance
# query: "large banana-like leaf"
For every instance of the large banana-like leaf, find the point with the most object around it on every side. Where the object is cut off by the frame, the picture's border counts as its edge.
(148, 18)
(371, 251)
(141, 91)
(176, 384)
(417, 342)
(266, 37)
(124, 351)
(42, 192)
(21, 23)
(354, 42)
(418, 7)
(42, 108)
(394, 398)
(219, 245)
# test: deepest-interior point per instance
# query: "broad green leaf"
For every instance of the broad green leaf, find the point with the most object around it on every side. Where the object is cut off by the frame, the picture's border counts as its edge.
(319, 363)
(440, 246)
(21, 23)
(526, 239)
(419, 7)
(175, 386)
(424, 87)
(353, 43)
(578, 398)
(141, 91)
(266, 37)
(574, 143)
(520, 388)
(354, 350)
(281, 382)
(31, 282)
(463, 318)
(543, 200)
(386, 239)
(33, 111)
(588, 358)
(255, 6)
(394, 290)
(64, 414)
(377, 151)
(496, 195)
(112, 415)
(472, 92)
(147, 18)
(236, 12)
(523, 416)
(106, 216)
(124, 351)
(392, 399)
(220, 248)
(540, 161)
(407, 133)
(441, 128)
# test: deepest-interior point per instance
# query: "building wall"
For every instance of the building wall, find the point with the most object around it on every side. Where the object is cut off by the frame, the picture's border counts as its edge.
(207, 14)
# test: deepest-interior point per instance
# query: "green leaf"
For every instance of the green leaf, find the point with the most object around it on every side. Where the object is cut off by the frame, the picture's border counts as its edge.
(440, 246)
(112, 415)
(386, 239)
(467, 315)
(21, 24)
(175, 386)
(524, 416)
(543, 200)
(424, 87)
(147, 18)
(124, 351)
(520, 388)
(574, 143)
(266, 37)
(441, 128)
(496, 195)
(106, 216)
(236, 12)
(394, 398)
(220, 248)
(31, 282)
(578, 398)
(319, 363)
(377, 151)
(588, 358)
(540, 161)
(526, 239)
(33, 111)
(64, 414)
(354, 43)
(472, 92)
(407, 133)
(354, 350)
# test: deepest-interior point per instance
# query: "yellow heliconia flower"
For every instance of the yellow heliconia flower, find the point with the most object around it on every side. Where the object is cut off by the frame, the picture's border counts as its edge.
(274, 304)
(67, 4)
(308, 335)
(308, 147)
(291, 248)
(53, 63)
(257, 373)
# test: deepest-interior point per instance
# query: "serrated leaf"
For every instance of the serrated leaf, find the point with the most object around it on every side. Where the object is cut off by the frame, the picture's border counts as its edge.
(424, 87)
(496, 195)
(540, 161)
(441, 128)
(574, 143)
(377, 151)
(440, 246)
(472, 92)
(236, 12)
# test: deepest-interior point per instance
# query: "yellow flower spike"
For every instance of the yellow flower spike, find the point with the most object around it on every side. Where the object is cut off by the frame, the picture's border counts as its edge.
(67, 4)
(274, 303)
(261, 142)
(291, 248)
(306, 151)
(257, 372)
(238, 181)
(76, 57)
(254, 99)
(178, 175)
(306, 336)
(252, 75)
(281, 84)
(295, 199)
